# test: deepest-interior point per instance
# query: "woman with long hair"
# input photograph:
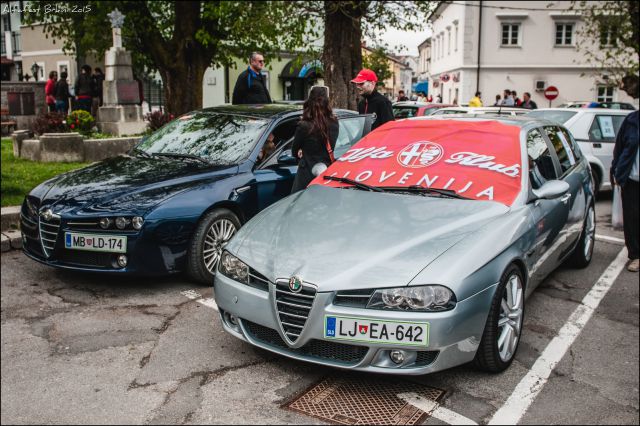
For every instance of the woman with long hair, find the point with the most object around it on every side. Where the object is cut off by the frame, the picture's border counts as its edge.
(315, 137)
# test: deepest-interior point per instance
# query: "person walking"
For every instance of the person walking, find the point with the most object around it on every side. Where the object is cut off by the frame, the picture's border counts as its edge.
(315, 137)
(49, 91)
(527, 102)
(624, 172)
(516, 100)
(61, 93)
(83, 89)
(498, 101)
(476, 101)
(507, 99)
(251, 87)
(372, 101)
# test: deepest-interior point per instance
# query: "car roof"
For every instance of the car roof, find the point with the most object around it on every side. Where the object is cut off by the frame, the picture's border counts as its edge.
(588, 110)
(512, 120)
(419, 104)
(489, 108)
(268, 111)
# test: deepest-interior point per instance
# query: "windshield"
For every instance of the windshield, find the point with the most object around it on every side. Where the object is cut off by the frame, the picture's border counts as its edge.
(559, 117)
(404, 111)
(479, 160)
(217, 138)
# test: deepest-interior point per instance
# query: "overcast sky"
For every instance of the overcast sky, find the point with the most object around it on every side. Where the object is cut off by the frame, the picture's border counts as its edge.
(409, 39)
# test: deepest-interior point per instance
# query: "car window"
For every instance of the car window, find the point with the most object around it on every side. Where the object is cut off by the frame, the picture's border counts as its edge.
(351, 131)
(574, 145)
(605, 127)
(541, 168)
(559, 117)
(404, 111)
(563, 149)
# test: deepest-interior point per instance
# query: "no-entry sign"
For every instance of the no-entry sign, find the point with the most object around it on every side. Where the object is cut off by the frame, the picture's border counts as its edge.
(551, 92)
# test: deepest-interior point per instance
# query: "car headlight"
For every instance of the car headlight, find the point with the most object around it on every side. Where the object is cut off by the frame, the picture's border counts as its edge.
(137, 222)
(232, 267)
(418, 298)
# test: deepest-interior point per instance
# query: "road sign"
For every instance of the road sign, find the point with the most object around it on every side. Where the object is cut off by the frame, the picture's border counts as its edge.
(551, 92)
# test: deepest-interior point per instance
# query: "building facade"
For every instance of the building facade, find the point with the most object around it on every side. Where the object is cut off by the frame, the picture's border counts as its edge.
(495, 45)
(424, 66)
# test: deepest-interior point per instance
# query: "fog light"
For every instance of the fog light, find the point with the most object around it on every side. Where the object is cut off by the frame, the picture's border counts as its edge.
(122, 222)
(397, 356)
(233, 320)
(105, 222)
(137, 222)
(122, 260)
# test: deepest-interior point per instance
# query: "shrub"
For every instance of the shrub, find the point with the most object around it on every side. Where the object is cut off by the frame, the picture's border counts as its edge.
(157, 119)
(50, 122)
(80, 121)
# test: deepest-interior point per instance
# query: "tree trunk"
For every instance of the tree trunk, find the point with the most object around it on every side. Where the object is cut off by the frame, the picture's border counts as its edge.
(183, 85)
(342, 55)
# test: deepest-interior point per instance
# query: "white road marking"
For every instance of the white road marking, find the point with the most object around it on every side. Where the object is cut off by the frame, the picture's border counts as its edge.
(530, 386)
(194, 295)
(609, 239)
(434, 409)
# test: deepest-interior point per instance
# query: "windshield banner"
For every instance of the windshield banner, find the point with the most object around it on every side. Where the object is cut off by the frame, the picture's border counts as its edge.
(478, 160)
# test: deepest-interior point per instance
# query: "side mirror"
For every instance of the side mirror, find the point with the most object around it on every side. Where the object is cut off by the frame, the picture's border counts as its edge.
(286, 158)
(551, 190)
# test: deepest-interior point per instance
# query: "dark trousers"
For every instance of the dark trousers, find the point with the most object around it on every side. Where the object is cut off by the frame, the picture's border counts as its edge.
(630, 216)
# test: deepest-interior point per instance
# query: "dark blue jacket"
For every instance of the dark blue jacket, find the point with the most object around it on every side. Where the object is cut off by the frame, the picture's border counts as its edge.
(624, 153)
(251, 88)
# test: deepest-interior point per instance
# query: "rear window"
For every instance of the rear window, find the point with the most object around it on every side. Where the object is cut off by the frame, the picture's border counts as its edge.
(559, 117)
(605, 127)
(404, 111)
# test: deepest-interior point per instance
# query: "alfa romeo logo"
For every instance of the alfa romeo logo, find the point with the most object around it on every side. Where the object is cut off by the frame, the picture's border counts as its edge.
(295, 284)
(420, 154)
(46, 214)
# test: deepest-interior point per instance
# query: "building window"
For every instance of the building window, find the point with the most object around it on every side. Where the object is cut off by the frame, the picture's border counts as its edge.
(608, 35)
(448, 42)
(605, 93)
(510, 34)
(455, 40)
(564, 34)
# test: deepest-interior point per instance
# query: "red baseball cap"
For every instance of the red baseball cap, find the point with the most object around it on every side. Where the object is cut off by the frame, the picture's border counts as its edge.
(365, 75)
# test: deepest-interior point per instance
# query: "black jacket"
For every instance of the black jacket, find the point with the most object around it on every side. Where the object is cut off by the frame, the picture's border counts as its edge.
(624, 152)
(61, 90)
(250, 89)
(84, 85)
(314, 150)
(378, 104)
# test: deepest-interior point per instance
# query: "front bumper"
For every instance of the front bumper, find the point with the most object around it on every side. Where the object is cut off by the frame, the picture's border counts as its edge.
(453, 339)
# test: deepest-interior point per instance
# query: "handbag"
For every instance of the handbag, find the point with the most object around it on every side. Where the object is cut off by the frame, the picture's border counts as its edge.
(616, 208)
(319, 168)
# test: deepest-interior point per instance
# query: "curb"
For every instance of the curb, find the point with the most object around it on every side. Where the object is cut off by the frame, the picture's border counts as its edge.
(10, 218)
(11, 240)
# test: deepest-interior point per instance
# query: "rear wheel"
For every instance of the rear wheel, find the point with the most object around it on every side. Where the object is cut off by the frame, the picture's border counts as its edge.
(596, 181)
(502, 331)
(214, 231)
(583, 252)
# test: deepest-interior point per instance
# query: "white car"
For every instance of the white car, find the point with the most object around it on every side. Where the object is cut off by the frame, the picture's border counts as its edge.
(492, 110)
(595, 130)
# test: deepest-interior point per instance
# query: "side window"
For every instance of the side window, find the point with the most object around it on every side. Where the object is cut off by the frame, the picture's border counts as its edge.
(541, 168)
(351, 131)
(572, 142)
(605, 127)
(561, 145)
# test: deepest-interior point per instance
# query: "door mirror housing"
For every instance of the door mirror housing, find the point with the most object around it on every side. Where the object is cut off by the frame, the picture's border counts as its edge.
(551, 189)
(286, 158)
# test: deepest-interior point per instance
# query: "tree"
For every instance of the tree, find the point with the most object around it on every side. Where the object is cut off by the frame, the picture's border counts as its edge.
(613, 26)
(179, 39)
(378, 62)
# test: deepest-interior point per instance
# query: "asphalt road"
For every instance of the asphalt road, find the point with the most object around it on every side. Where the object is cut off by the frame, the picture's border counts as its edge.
(80, 348)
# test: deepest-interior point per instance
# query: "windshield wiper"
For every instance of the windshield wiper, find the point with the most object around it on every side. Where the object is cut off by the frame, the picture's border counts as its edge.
(183, 156)
(424, 190)
(142, 153)
(355, 183)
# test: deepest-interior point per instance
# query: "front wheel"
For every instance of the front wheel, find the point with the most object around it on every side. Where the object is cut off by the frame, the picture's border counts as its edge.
(213, 232)
(583, 252)
(502, 331)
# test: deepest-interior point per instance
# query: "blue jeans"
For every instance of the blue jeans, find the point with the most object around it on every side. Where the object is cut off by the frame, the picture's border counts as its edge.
(62, 106)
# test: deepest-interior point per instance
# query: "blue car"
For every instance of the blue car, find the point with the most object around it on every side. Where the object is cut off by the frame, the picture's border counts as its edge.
(174, 201)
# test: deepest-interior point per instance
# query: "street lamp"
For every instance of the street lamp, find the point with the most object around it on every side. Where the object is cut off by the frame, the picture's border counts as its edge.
(35, 71)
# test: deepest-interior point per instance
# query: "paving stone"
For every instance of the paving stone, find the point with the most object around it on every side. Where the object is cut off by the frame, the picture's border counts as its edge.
(6, 243)
(15, 237)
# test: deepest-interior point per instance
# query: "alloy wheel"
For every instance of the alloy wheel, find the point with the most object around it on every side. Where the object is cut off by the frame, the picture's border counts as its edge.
(219, 233)
(510, 320)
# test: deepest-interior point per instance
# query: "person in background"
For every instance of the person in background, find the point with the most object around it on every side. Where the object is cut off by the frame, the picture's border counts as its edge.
(372, 101)
(507, 99)
(61, 94)
(401, 96)
(315, 137)
(439, 99)
(49, 91)
(251, 87)
(266, 150)
(516, 100)
(98, 79)
(421, 97)
(527, 102)
(430, 99)
(624, 172)
(476, 101)
(498, 101)
(83, 89)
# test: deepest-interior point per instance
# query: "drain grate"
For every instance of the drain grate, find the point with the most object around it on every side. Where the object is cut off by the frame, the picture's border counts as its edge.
(358, 400)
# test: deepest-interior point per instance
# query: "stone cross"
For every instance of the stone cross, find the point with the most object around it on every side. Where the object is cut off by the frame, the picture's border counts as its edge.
(117, 20)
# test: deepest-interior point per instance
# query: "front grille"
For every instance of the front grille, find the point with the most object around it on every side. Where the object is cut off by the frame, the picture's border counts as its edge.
(85, 258)
(320, 349)
(293, 308)
(353, 298)
(49, 234)
(426, 357)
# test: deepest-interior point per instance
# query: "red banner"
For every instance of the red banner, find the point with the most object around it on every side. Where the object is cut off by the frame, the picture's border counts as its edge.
(477, 159)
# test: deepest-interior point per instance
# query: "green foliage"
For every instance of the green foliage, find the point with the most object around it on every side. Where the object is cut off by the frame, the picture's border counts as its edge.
(80, 121)
(378, 62)
(157, 119)
(19, 176)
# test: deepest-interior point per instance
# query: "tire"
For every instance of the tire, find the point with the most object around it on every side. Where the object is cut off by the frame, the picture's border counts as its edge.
(492, 356)
(583, 252)
(596, 181)
(214, 230)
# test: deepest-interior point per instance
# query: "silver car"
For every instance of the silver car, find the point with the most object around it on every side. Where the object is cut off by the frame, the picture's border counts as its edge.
(416, 250)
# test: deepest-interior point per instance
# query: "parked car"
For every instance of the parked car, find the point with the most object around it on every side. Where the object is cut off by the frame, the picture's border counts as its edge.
(414, 253)
(595, 130)
(176, 199)
(408, 109)
(594, 104)
(482, 110)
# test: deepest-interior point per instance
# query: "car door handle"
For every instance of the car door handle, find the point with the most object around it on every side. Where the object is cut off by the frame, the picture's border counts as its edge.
(597, 145)
(565, 198)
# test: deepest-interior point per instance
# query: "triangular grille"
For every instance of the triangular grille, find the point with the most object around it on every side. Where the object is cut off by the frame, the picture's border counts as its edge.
(48, 233)
(293, 308)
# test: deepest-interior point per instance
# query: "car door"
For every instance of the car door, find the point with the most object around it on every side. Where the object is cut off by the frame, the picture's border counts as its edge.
(274, 177)
(602, 137)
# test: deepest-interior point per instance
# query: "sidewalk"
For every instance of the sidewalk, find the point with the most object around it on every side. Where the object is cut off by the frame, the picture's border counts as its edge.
(11, 236)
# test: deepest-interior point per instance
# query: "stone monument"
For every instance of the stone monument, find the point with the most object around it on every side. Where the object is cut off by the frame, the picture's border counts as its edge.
(121, 113)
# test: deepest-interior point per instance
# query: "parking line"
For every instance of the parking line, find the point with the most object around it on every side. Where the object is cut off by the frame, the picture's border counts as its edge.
(609, 239)
(434, 409)
(530, 386)
(194, 295)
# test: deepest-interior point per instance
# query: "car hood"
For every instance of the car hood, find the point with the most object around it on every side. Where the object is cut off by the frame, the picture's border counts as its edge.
(349, 239)
(127, 184)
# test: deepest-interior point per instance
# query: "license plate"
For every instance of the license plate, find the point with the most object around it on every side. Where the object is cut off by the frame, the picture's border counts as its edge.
(370, 330)
(93, 242)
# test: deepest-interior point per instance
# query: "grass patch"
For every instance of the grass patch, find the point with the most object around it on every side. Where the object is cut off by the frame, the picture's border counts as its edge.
(19, 176)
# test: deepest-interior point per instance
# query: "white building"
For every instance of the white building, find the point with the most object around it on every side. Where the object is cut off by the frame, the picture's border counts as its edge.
(524, 46)
(424, 65)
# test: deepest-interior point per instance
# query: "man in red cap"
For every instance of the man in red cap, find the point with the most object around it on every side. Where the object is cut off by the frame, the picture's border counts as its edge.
(372, 101)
